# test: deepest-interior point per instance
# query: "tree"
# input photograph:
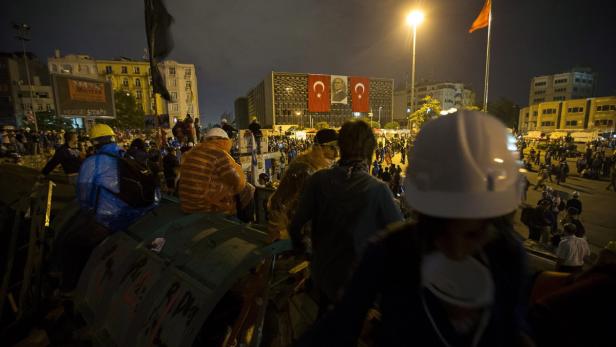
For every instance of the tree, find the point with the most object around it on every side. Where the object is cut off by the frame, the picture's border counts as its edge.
(392, 125)
(374, 124)
(505, 110)
(129, 114)
(322, 125)
(430, 108)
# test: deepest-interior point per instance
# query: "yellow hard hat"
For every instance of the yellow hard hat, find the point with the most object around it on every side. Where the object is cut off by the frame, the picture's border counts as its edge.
(611, 246)
(100, 130)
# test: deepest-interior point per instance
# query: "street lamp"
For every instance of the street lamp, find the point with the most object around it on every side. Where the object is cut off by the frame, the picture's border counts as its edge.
(23, 34)
(413, 19)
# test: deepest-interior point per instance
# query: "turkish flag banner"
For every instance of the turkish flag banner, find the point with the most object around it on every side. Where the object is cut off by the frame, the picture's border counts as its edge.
(318, 93)
(360, 94)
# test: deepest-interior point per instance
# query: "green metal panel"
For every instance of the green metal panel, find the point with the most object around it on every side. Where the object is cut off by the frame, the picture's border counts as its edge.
(134, 296)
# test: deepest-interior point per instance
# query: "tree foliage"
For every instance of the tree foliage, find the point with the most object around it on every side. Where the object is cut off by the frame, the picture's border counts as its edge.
(392, 125)
(505, 110)
(129, 114)
(374, 124)
(430, 108)
(47, 120)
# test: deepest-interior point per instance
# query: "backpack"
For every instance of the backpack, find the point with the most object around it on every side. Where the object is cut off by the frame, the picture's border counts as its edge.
(137, 183)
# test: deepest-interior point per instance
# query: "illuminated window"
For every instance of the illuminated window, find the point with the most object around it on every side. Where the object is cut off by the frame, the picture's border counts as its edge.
(136, 69)
(124, 69)
(138, 82)
(125, 82)
(108, 69)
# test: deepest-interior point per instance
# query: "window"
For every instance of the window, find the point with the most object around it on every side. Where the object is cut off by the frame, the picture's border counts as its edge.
(125, 82)
(108, 69)
(187, 72)
(575, 109)
(606, 108)
(571, 123)
(137, 82)
(174, 107)
(67, 68)
(559, 90)
(539, 84)
(535, 113)
(138, 94)
(577, 80)
(124, 69)
(549, 111)
(39, 107)
(54, 68)
(604, 122)
(547, 124)
(136, 69)
(48, 107)
(174, 82)
(557, 98)
(174, 96)
(560, 80)
(538, 100)
(172, 71)
(539, 92)
(188, 84)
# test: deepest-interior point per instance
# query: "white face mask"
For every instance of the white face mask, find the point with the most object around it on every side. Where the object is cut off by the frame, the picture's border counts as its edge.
(466, 283)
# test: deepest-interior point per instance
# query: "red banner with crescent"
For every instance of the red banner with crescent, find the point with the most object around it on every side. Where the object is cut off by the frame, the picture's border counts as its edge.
(318, 93)
(360, 94)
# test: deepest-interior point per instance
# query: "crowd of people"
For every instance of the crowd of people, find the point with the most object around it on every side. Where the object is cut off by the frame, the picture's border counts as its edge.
(455, 271)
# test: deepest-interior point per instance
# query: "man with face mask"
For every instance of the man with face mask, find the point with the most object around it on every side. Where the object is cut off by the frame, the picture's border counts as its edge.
(283, 203)
(454, 276)
(210, 180)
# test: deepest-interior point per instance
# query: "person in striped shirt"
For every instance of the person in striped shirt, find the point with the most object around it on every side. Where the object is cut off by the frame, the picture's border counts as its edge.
(210, 180)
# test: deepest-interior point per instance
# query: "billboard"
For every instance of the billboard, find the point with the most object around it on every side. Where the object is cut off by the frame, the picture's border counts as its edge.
(339, 89)
(82, 97)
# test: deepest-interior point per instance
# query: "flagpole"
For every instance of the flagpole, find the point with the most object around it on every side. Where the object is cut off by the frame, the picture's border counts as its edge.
(487, 75)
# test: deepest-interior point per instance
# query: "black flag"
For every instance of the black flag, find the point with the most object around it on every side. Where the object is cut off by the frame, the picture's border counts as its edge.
(160, 43)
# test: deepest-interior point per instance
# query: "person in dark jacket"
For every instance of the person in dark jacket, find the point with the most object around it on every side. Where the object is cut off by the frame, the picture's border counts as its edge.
(346, 206)
(255, 129)
(170, 166)
(575, 202)
(138, 152)
(228, 128)
(456, 275)
(67, 155)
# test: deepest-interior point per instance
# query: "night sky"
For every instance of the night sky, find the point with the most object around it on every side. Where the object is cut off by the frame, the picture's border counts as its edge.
(235, 43)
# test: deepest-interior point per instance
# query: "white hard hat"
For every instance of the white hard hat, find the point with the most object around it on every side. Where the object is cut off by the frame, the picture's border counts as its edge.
(216, 132)
(464, 283)
(463, 165)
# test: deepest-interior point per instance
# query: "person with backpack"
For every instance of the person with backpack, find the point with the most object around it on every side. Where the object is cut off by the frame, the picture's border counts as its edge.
(455, 275)
(113, 192)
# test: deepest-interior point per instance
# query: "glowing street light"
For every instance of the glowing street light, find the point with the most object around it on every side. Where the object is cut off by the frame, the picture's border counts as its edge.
(413, 19)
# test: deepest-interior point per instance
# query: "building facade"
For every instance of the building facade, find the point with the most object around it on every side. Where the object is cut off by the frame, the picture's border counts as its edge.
(282, 99)
(578, 83)
(449, 94)
(21, 98)
(81, 65)
(577, 114)
(181, 80)
(131, 76)
(401, 106)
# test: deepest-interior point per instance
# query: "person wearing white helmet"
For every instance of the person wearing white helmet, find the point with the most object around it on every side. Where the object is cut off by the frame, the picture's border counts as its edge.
(231, 131)
(210, 180)
(454, 275)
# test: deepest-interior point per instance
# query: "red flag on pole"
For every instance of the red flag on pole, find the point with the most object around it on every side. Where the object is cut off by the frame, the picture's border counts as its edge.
(318, 93)
(360, 94)
(483, 19)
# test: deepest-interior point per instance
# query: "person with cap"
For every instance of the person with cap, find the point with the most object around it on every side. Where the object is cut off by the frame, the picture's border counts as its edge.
(456, 273)
(575, 202)
(282, 204)
(573, 313)
(210, 180)
(571, 251)
(67, 155)
(228, 128)
(104, 209)
(346, 206)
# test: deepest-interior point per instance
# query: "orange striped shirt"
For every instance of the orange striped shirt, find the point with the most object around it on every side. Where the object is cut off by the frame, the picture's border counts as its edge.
(210, 178)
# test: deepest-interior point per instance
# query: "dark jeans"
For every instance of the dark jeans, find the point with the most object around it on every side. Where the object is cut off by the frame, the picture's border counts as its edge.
(76, 246)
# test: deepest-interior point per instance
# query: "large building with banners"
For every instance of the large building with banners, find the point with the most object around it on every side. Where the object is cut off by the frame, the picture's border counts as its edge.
(287, 98)
(578, 114)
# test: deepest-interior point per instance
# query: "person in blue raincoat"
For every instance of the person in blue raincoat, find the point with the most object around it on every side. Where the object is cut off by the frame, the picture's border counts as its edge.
(102, 211)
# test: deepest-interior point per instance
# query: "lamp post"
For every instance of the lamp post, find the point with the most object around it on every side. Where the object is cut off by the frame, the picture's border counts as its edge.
(414, 19)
